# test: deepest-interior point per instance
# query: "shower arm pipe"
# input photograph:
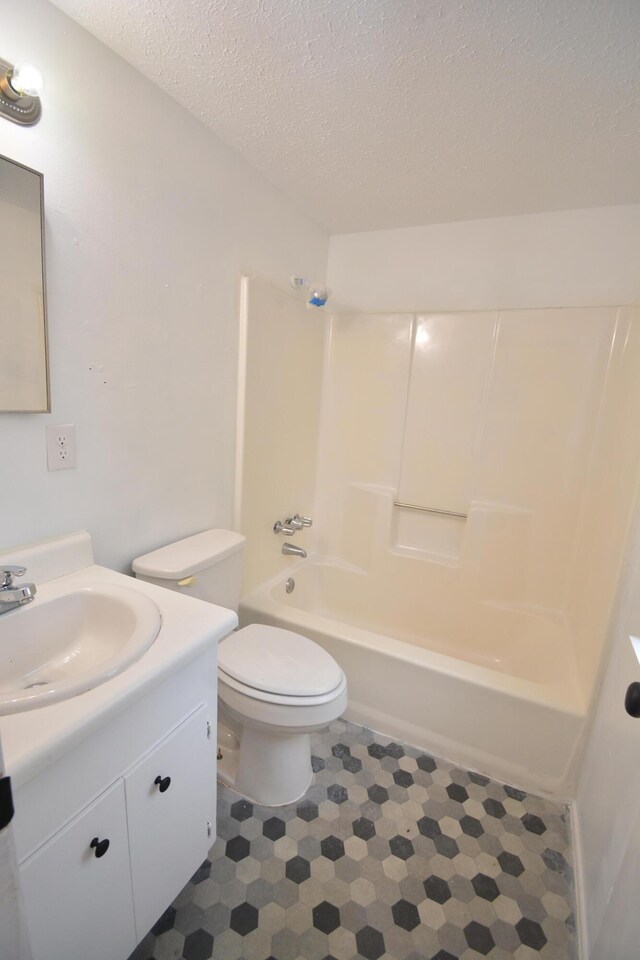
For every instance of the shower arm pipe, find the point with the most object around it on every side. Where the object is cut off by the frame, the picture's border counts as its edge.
(435, 510)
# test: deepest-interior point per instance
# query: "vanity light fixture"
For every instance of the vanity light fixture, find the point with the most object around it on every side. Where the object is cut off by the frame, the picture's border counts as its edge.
(20, 89)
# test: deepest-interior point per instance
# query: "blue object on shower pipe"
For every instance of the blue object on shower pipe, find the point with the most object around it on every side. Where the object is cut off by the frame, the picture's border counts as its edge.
(317, 301)
(319, 293)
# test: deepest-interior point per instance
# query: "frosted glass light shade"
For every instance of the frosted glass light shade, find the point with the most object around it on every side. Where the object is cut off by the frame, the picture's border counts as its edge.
(27, 81)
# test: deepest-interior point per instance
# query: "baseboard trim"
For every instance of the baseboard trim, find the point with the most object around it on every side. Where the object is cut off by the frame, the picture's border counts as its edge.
(582, 940)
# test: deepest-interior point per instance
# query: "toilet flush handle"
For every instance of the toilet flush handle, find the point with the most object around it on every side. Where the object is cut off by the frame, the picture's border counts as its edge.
(186, 582)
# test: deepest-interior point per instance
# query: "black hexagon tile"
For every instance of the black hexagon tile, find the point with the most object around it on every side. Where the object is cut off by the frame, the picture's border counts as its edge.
(274, 828)
(392, 854)
(241, 810)
(332, 848)
(238, 848)
(307, 810)
(437, 889)
(326, 917)
(363, 829)
(244, 919)
(298, 869)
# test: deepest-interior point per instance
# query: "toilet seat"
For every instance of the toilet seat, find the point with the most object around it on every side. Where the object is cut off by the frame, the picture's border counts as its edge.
(254, 694)
(278, 666)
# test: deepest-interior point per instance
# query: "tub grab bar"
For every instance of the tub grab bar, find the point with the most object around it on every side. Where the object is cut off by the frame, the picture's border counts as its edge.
(436, 510)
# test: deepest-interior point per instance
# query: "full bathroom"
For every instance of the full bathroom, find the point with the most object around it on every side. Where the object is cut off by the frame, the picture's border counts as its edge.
(320, 529)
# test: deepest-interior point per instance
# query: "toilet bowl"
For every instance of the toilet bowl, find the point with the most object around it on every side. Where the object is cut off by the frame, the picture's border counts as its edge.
(275, 687)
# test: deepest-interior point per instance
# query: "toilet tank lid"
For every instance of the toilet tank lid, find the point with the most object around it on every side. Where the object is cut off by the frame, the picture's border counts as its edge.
(189, 556)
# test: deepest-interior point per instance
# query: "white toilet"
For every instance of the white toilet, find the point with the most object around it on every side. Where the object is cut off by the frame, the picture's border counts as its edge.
(275, 687)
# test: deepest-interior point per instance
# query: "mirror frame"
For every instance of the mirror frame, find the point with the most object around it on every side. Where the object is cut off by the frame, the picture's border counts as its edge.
(45, 331)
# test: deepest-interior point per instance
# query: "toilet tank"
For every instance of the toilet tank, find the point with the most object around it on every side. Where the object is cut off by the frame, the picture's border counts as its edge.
(207, 566)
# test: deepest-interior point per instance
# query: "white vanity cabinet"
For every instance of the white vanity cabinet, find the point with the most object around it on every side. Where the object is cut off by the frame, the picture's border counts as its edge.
(68, 886)
(167, 813)
(128, 824)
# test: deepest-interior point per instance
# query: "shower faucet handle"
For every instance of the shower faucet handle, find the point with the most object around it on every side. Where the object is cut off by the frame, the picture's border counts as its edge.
(295, 522)
(303, 521)
(8, 573)
(284, 528)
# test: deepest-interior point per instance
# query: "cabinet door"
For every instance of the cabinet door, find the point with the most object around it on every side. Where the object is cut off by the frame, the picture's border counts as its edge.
(167, 803)
(78, 898)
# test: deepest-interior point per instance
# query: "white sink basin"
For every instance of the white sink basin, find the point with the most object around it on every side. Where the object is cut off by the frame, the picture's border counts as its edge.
(71, 638)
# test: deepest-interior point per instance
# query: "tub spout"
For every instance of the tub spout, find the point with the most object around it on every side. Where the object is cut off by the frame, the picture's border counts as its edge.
(291, 550)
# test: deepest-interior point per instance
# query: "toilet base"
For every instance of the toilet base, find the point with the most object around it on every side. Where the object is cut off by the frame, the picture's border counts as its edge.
(227, 761)
(270, 769)
(272, 765)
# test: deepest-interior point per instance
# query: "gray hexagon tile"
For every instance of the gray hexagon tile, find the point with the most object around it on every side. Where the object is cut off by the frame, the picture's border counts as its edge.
(392, 854)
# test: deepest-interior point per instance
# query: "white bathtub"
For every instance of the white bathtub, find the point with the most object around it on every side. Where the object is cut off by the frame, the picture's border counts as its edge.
(499, 695)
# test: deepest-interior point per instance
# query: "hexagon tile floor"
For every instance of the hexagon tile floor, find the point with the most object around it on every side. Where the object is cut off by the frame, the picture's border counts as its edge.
(391, 854)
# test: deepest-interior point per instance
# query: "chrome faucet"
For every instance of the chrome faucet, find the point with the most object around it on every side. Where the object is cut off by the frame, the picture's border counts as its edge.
(289, 527)
(284, 528)
(291, 550)
(12, 594)
(302, 521)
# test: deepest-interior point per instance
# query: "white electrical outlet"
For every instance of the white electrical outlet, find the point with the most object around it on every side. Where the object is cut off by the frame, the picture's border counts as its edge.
(61, 446)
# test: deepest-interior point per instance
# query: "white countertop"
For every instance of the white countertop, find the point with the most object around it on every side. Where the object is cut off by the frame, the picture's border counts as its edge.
(33, 740)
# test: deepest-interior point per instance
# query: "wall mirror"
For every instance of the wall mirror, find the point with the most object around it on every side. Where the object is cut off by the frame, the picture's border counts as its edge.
(24, 380)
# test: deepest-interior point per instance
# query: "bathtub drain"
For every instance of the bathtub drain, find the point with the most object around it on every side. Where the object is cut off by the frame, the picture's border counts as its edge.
(290, 585)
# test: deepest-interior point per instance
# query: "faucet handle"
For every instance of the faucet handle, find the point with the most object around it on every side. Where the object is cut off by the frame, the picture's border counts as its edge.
(295, 522)
(284, 528)
(9, 572)
(303, 521)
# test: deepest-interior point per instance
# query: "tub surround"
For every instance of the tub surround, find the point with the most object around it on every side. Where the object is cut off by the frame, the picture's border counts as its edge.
(128, 772)
(499, 586)
(533, 475)
(281, 365)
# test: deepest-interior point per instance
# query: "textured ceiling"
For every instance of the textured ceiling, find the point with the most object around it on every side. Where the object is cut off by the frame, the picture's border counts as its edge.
(384, 113)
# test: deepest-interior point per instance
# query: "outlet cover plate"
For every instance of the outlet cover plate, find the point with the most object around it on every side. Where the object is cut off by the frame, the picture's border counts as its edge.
(61, 446)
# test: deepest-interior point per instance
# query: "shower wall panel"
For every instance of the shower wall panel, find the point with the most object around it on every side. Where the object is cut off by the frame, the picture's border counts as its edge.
(450, 367)
(282, 365)
(505, 420)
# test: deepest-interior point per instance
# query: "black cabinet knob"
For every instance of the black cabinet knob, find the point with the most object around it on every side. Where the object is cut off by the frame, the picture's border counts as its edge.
(163, 783)
(100, 847)
(632, 700)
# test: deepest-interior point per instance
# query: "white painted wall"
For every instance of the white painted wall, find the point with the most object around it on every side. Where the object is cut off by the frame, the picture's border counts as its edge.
(570, 258)
(608, 798)
(150, 223)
